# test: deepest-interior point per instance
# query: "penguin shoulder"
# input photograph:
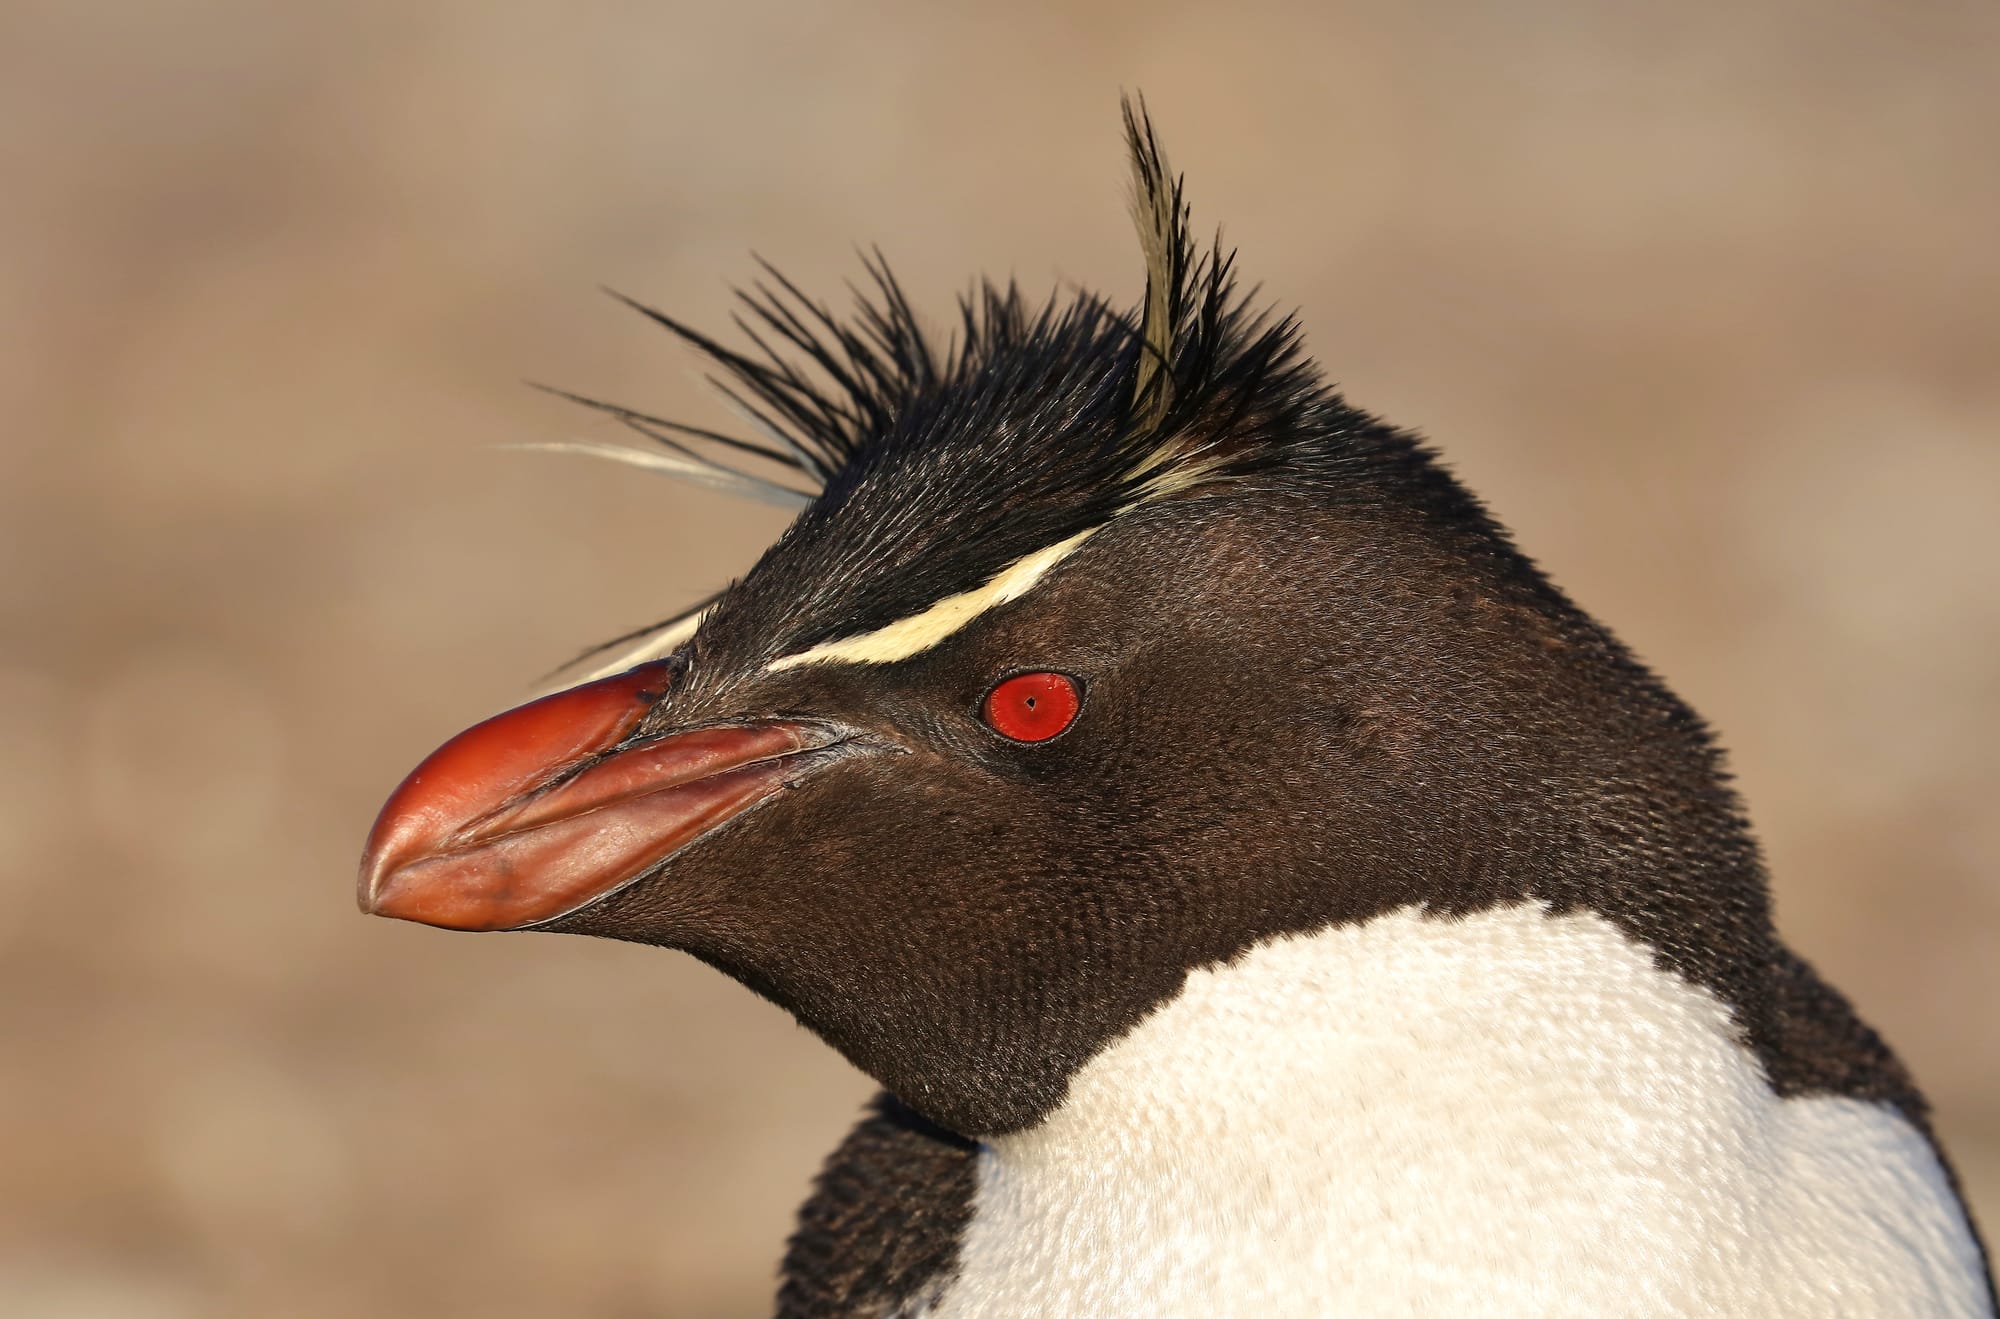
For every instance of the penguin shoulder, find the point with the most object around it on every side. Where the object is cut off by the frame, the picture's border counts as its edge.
(879, 1235)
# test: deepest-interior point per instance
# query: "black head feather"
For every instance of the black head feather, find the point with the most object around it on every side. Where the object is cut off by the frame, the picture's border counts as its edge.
(936, 461)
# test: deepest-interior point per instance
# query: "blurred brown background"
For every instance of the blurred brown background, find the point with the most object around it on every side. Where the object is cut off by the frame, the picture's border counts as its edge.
(1704, 297)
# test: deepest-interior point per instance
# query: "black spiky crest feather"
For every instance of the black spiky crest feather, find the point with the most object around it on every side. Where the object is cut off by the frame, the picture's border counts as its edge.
(1026, 425)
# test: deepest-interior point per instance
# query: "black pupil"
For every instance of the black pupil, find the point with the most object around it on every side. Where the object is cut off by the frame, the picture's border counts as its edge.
(1031, 702)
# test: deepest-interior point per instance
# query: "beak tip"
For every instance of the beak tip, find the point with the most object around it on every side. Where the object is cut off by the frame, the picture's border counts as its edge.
(396, 834)
(372, 884)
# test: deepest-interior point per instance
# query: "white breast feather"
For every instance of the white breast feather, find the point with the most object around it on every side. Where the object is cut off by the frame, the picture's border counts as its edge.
(1510, 1114)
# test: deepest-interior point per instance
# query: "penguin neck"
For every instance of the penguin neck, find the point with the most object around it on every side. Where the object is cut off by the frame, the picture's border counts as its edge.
(1421, 1111)
(1432, 1025)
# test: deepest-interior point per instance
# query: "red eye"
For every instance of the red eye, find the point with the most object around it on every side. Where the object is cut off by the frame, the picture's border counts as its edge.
(1032, 707)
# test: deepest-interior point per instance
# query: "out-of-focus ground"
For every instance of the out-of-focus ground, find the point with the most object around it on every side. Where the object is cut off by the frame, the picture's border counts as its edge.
(1704, 297)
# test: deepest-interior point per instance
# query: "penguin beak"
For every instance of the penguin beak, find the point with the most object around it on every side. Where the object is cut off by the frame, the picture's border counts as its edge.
(553, 805)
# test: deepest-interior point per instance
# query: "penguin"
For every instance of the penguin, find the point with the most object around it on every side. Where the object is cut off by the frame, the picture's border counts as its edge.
(1256, 887)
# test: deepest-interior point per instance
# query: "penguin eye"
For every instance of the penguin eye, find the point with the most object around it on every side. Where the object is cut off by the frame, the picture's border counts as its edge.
(1032, 707)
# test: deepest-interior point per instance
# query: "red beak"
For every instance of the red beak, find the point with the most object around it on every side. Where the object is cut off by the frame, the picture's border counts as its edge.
(545, 809)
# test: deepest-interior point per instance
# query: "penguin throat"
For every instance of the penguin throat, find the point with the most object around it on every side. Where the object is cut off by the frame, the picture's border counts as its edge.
(1512, 1113)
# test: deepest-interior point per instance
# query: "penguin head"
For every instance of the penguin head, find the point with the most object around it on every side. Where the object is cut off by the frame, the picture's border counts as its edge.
(1111, 643)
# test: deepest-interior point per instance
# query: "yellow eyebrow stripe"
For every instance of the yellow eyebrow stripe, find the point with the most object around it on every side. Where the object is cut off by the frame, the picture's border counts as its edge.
(920, 631)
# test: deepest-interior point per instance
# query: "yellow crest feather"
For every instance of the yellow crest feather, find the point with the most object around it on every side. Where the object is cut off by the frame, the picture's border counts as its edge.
(1161, 218)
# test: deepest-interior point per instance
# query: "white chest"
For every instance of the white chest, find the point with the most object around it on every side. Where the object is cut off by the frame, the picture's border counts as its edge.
(1510, 1114)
